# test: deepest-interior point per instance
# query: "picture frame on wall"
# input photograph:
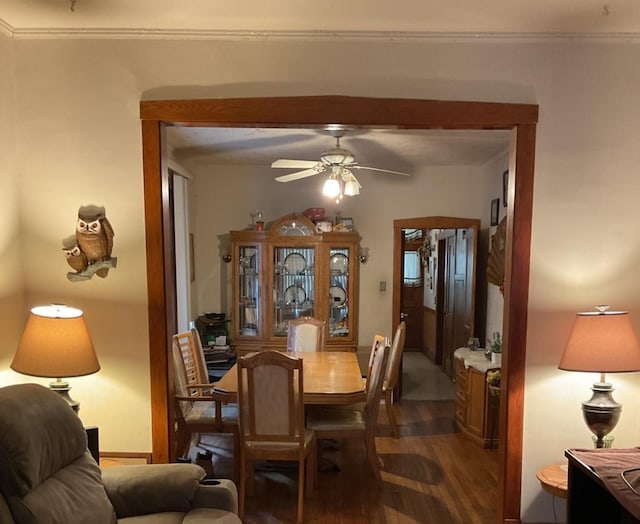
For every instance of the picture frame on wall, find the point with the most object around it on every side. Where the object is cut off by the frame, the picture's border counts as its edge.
(495, 211)
(505, 187)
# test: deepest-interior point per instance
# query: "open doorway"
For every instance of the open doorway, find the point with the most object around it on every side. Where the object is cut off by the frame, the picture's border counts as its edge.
(447, 325)
(521, 119)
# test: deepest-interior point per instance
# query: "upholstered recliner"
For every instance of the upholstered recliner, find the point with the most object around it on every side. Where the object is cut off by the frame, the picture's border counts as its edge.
(47, 475)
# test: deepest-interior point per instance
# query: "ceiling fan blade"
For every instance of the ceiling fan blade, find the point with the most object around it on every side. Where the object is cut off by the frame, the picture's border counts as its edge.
(294, 164)
(378, 169)
(297, 175)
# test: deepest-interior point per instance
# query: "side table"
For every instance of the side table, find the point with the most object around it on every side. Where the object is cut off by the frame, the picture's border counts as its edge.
(554, 479)
(93, 442)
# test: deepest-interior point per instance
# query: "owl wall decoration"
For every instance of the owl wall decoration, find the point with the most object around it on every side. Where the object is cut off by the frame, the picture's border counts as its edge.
(88, 251)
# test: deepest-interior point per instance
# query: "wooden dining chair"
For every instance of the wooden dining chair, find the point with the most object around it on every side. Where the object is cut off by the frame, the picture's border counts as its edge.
(377, 343)
(199, 409)
(392, 375)
(306, 334)
(271, 409)
(356, 422)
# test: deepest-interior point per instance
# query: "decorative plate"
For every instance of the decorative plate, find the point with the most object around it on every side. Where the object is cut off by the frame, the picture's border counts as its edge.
(295, 264)
(338, 296)
(339, 263)
(294, 295)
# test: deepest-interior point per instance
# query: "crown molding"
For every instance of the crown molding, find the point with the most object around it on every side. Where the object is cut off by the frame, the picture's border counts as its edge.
(385, 36)
(6, 29)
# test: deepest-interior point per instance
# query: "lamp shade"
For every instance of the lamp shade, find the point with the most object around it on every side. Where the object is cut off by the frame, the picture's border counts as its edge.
(55, 344)
(602, 342)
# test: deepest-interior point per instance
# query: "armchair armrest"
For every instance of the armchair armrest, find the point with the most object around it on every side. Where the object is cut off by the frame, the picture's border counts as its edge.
(156, 488)
(217, 493)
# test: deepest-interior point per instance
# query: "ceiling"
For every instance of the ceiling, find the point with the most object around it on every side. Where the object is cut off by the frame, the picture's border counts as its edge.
(325, 19)
(398, 150)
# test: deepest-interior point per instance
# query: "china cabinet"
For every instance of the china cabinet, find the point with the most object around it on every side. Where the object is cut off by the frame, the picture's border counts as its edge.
(290, 270)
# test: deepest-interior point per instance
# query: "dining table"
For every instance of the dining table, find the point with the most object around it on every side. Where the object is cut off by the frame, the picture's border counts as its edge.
(330, 377)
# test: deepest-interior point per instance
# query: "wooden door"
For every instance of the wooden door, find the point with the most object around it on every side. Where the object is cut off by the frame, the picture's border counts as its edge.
(458, 290)
(448, 303)
(412, 316)
(412, 298)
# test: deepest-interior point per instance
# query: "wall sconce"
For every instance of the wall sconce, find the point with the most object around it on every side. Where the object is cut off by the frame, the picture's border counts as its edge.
(364, 255)
(226, 258)
(601, 342)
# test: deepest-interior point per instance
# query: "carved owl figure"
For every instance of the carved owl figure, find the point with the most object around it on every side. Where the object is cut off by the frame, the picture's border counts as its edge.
(74, 255)
(94, 235)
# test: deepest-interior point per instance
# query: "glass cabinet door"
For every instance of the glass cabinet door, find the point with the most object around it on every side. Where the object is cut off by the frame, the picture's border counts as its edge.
(339, 264)
(249, 291)
(293, 285)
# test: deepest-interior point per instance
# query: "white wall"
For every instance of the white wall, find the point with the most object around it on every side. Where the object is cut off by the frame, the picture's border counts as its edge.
(11, 288)
(226, 195)
(495, 299)
(77, 141)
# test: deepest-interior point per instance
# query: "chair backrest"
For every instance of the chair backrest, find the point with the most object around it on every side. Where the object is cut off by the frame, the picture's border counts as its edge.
(378, 341)
(190, 347)
(305, 334)
(271, 408)
(374, 384)
(395, 357)
(189, 368)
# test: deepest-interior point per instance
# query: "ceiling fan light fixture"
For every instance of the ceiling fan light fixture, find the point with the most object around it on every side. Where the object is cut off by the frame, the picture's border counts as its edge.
(331, 187)
(352, 188)
(337, 157)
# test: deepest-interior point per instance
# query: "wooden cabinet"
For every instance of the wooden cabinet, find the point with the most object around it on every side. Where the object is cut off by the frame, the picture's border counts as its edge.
(290, 271)
(476, 408)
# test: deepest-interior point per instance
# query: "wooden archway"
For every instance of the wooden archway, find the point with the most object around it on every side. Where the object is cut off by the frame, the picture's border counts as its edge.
(318, 111)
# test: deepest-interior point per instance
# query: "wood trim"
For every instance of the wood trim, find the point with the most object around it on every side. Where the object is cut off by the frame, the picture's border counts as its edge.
(516, 297)
(135, 455)
(160, 287)
(322, 110)
(318, 111)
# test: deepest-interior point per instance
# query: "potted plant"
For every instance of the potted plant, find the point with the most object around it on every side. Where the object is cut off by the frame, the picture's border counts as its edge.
(495, 345)
(493, 381)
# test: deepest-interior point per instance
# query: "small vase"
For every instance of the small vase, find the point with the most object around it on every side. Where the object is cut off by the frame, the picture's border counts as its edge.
(496, 358)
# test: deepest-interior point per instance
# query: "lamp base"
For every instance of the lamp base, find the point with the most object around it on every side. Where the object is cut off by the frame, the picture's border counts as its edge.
(601, 413)
(62, 388)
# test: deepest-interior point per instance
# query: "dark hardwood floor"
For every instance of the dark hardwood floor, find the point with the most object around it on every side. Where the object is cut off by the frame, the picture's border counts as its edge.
(431, 474)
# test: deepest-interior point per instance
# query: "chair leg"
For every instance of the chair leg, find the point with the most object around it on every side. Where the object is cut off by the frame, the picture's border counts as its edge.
(183, 440)
(301, 487)
(249, 472)
(243, 483)
(372, 454)
(311, 470)
(237, 467)
(388, 404)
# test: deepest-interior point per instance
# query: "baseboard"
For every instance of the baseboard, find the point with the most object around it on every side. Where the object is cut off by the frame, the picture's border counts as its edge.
(126, 457)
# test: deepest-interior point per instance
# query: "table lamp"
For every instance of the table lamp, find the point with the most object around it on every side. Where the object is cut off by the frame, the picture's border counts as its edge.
(56, 344)
(601, 341)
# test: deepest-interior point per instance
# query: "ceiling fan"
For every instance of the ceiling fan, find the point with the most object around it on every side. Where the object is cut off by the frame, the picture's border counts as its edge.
(339, 162)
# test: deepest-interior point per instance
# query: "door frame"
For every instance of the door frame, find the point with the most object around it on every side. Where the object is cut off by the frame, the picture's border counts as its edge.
(436, 222)
(318, 111)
